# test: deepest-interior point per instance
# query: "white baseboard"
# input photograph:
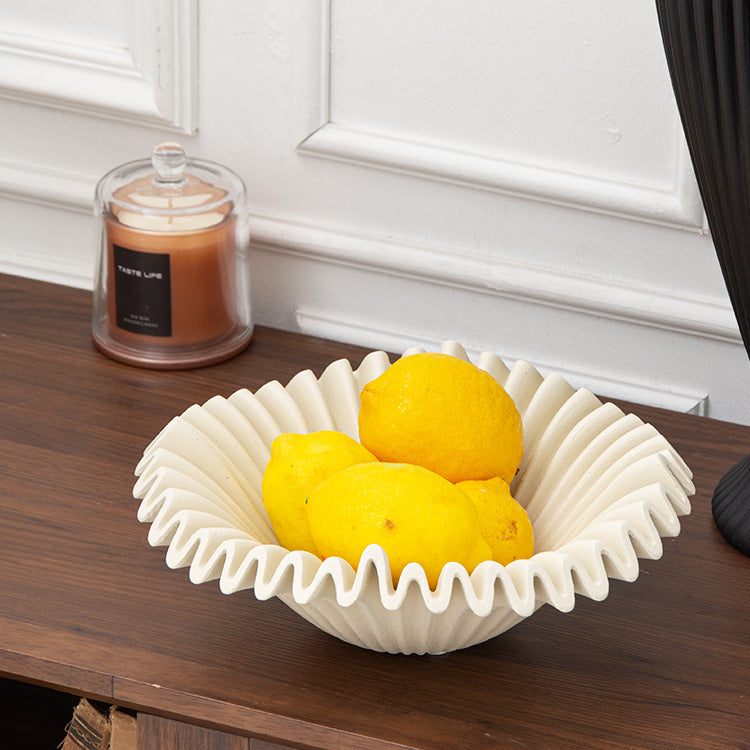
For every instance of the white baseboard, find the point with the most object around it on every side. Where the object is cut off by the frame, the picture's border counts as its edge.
(397, 341)
(39, 185)
(60, 271)
(555, 288)
(60, 190)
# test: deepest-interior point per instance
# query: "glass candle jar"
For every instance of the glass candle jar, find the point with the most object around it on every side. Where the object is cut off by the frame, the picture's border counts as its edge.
(172, 286)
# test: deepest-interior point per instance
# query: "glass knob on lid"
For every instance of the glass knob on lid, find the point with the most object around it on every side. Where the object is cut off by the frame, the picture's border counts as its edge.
(169, 160)
(169, 199)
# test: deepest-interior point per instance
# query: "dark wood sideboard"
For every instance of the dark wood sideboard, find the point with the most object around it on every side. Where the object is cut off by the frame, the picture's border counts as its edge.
(87, 608)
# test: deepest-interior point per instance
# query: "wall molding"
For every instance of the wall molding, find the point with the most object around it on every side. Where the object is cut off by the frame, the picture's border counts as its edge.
(678, 206)
(361, 333)
(550, 287)
(153, 81)
(32, 183)
(55, 189)
(554, 288)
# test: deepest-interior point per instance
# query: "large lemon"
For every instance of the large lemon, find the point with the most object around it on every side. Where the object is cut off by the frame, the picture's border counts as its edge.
(443, 413)
(413, 513)
(297, 465)
(504, 523)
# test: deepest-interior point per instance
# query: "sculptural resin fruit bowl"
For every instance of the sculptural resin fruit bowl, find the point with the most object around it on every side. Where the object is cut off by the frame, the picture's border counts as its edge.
(601, 488)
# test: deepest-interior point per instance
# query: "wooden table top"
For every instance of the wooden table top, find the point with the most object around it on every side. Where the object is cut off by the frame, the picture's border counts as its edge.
(88, 607)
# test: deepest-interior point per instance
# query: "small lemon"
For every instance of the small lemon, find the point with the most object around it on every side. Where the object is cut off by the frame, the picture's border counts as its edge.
(504, 523)
(297, 465)
(413, 513)
(443, 413)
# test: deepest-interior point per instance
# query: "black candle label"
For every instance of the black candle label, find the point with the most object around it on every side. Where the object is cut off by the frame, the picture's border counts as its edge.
(143, 294)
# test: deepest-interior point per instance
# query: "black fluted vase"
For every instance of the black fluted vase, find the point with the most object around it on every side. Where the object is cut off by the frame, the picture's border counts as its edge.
(707, 45)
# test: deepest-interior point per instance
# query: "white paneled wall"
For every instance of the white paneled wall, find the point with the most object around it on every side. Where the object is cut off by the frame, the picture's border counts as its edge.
(509, 174)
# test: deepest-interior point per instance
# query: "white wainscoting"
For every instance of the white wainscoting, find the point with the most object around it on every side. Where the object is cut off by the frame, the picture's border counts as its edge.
(37, 196)
(538, 286)
(370, 225)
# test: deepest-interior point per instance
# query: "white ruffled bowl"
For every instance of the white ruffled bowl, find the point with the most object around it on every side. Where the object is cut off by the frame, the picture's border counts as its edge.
(601, 488)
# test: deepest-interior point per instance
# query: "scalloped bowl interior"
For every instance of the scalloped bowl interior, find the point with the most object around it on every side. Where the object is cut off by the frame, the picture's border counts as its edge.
(600, 486)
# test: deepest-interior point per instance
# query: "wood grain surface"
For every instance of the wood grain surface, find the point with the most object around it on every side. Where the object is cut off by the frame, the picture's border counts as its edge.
(156, 733)
(87, 607)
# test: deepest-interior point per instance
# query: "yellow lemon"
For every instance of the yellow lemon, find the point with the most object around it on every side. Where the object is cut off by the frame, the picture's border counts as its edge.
(413, 513)
(504, 523)
(443, 413)
(297, 465)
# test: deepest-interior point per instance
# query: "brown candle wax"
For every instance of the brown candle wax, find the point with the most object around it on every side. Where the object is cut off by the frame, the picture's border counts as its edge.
(201, 288)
